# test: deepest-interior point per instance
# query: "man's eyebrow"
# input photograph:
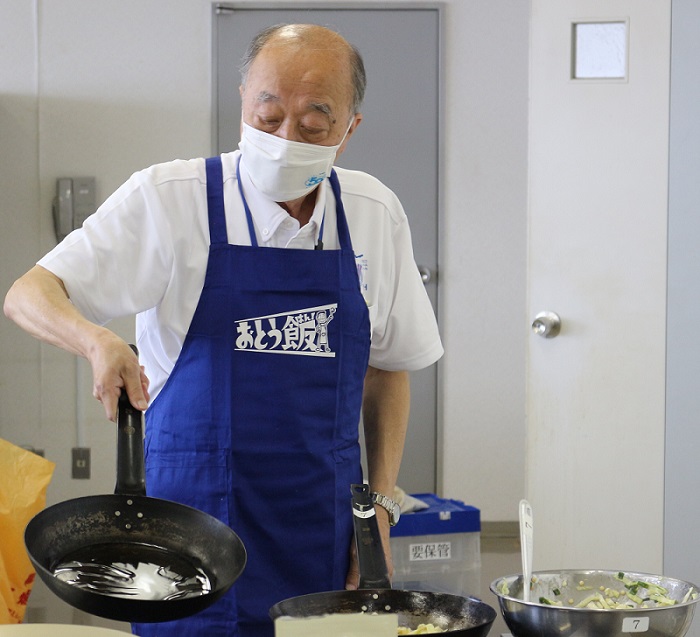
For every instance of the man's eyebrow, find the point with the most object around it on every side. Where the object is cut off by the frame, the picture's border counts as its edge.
(264, 96)
(324, 108)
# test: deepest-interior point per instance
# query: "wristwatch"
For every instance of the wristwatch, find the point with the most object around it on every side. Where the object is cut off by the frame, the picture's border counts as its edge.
(393, 509)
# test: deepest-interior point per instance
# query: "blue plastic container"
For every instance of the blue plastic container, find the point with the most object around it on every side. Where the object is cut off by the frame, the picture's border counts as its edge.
(438, 548)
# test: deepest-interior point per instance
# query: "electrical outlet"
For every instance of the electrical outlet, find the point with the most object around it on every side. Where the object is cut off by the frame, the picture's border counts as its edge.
(81, 463)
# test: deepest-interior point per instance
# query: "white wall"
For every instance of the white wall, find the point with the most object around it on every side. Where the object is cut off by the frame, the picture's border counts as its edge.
(92, 87)
(483, 243)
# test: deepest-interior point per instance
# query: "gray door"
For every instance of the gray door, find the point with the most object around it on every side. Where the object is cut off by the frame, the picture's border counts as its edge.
(398, 142)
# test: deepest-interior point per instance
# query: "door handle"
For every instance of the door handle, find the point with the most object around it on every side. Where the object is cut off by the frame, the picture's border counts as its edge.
(426, 274)
(546, 324)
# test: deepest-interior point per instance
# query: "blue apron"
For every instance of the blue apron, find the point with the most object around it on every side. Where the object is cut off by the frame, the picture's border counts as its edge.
(258, 423)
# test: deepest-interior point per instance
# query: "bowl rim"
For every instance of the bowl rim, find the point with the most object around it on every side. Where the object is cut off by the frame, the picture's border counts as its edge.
(593, 571)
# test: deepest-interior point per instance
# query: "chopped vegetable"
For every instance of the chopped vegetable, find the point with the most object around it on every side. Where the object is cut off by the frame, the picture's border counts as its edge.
(422, 629)
(633, 593)
(549, 602)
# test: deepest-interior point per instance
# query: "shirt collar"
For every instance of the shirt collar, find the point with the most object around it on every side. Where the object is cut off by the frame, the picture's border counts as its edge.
(268, 215)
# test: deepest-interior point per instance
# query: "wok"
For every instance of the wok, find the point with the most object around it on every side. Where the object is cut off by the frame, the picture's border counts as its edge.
(131, 529)
(454, 614)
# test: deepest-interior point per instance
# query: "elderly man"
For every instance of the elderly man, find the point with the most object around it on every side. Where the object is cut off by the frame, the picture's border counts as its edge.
(276, 300)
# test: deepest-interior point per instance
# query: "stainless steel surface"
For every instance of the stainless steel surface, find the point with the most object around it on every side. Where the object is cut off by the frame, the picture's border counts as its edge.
(536, 619)
(547, 324)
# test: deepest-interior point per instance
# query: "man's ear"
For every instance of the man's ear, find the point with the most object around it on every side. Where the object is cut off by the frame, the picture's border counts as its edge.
(356, 122)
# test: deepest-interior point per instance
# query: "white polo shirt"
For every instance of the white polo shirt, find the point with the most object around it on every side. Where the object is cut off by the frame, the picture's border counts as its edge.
(146, 248)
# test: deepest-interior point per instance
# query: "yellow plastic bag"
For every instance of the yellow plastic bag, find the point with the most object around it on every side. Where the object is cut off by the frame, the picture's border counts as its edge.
(24, 478)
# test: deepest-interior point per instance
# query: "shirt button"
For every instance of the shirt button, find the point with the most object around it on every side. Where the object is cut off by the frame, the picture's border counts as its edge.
(266, 231)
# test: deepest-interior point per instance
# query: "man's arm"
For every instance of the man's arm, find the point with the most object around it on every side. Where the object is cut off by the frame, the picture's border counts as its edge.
(385, 408)
(39, 303)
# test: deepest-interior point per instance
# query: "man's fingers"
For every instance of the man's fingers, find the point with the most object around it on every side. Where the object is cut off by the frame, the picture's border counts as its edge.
(116, 370)
(108, 398)
(352, 580)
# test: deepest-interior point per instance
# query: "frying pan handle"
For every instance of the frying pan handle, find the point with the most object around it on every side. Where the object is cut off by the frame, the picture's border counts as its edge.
(370, 553)
(131, 473)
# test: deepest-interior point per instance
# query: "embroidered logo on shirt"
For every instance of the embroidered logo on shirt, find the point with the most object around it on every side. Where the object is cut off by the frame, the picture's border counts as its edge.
(302, 332)
(362, 270)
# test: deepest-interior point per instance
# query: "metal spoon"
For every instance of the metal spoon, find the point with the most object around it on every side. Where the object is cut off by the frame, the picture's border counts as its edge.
(526, 546)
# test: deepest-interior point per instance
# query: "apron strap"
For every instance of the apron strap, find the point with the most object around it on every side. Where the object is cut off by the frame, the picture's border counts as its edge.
(248, 215)
(343, 230)
(215, 200)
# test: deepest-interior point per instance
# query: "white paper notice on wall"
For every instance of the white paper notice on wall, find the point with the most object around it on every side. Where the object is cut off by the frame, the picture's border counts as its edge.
(599, 50)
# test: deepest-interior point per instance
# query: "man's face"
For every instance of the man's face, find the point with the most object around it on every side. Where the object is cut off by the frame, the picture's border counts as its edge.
(300, 95)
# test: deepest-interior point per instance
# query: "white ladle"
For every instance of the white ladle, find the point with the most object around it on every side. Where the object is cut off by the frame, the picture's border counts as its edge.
(526, 546)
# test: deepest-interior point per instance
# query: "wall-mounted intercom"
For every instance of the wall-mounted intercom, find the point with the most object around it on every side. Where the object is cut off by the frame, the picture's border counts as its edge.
(74, 202)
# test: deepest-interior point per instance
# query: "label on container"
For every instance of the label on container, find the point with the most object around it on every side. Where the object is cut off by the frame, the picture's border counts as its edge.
(635, 624)
(428, 551)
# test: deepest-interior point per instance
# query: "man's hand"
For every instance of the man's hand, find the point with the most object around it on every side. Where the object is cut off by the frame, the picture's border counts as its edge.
(116, 367)
(352, 581)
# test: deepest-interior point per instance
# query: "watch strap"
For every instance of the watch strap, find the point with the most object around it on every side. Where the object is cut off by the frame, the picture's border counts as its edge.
(388, 504)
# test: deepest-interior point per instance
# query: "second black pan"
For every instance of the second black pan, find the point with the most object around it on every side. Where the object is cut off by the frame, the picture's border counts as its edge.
(453, 614)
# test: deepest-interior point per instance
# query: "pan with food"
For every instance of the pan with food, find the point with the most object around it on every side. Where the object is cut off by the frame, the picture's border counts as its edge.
(432, 612)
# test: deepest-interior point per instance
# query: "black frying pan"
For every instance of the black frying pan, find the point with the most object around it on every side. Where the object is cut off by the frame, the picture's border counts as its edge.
(454, 614)
(129, 527)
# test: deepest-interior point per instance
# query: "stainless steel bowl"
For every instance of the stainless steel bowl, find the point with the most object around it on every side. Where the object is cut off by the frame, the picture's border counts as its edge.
(539, 619)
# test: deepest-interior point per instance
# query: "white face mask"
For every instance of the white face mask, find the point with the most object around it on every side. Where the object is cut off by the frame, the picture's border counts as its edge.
(284, 170)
